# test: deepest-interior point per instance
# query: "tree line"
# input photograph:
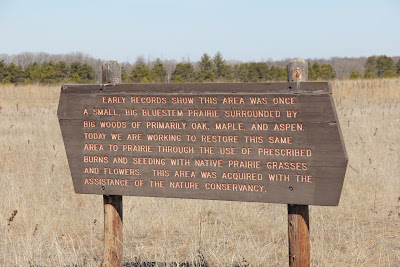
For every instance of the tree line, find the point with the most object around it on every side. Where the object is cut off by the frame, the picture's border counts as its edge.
(207, 69)
(46, 73)
(378, 67)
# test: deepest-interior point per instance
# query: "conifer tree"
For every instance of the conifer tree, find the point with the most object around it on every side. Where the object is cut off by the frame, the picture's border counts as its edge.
(315, 72)
(385, 65)
(369, 74)
(277, 74)
(312, 76)
(388, 74)
(13, 74)
(241, 72)
(382, 67)
(2, 71)
(159, 73)
(81, 73)
(48, 74)
(221, 68)
(184, 72)
(141, 74)
(124, 75)
(262, 69)
(207, 69)
(61, 71)
(398, 67)
(354, 75)
(370, 67)
(32, 73)
(253, 74)
(327, 72)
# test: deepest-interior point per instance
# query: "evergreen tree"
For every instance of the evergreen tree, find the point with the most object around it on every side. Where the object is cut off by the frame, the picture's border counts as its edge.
(87, 73)
(159, 73)
(312, 76)
(382, 66)
(398, 67)
(385, 64)
(19, 74)
(327, 72)
(207, 70)
(184, 72)
(389, 74)
(320, 72)
(281, 74)
(48, 74)
(81, 73)
(13, 74)
(241, 72)
(32, 73)
(262, 69)
(141, 74)
(256, 72)
(370, 67)
(253, 74)
(228, 74)
(277, 74)
(208, 76)
(221, 68)
(62, 71)
(315, 72)
(2, 71)
(368, 74)
(124, 75)
(354, 75)
(205, 64)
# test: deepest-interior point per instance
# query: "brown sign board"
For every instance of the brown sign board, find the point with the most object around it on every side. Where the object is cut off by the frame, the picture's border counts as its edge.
(257, 142)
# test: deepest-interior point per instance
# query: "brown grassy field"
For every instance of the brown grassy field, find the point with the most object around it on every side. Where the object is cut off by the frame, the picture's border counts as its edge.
(44, 223)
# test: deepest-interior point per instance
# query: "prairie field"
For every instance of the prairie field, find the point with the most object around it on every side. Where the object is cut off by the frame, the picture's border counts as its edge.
(44, 223)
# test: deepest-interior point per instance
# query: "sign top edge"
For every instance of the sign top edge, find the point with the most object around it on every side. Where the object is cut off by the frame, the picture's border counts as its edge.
(285, 87)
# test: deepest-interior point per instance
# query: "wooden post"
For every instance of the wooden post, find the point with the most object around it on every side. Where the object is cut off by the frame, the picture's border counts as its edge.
(112, 204)
(298, 218)
(111, 73)
(297, 70)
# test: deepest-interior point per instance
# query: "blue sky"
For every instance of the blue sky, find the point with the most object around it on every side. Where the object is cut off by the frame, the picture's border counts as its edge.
(176, 29)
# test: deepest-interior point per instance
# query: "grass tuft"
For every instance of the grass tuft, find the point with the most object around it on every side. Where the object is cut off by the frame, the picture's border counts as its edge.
(50, 225)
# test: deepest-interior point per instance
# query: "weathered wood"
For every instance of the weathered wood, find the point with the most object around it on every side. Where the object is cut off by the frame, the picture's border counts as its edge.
(298, 217)
(113, 223)
(113, 234)
(315, 113)
(319, 132)
(111, 73)
(297, 70)
(299, 236)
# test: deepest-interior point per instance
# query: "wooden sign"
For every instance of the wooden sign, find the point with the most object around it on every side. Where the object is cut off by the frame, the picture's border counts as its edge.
(260, 142)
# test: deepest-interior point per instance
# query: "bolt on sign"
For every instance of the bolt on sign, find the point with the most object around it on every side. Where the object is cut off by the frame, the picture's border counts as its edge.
(259, 142)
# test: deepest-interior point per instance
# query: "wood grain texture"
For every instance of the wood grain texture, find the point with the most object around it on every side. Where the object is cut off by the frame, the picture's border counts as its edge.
(111, 73)
(297, 70)
(113, 208)
(298, 216)
(113, 234)
(299, 236)
(315, 113)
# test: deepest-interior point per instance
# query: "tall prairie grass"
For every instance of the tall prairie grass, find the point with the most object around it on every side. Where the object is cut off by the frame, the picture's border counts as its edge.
(44, 223)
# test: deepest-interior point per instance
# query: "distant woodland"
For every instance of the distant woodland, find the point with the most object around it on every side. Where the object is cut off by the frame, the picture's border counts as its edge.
(43, 68)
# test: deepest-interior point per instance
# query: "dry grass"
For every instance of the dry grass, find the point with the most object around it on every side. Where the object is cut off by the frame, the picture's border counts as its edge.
(44, 223)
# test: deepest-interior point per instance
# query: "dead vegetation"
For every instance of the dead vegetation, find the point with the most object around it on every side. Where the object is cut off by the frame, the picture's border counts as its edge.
(44, 223)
